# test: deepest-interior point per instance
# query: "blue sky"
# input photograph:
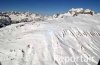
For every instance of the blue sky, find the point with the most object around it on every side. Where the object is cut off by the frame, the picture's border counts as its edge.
(48, 6)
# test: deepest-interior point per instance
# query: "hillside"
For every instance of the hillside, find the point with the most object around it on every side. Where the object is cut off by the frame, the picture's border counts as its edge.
(33, 39)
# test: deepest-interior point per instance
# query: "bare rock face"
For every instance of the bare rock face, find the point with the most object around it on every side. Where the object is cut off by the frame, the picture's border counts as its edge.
(5, 20)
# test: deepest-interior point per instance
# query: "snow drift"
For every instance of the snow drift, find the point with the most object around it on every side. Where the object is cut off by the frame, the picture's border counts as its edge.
(51, 41)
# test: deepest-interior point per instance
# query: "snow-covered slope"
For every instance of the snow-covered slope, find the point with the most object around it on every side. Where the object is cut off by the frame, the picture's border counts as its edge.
(52, 41)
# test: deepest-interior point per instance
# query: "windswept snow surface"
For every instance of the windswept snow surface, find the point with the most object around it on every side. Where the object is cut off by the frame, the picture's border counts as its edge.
(52, 41)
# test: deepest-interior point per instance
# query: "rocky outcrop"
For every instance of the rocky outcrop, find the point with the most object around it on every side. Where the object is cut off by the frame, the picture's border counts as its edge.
(5, 20)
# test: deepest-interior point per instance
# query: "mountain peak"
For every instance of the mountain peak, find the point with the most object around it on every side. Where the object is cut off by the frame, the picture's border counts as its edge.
(76, 11)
